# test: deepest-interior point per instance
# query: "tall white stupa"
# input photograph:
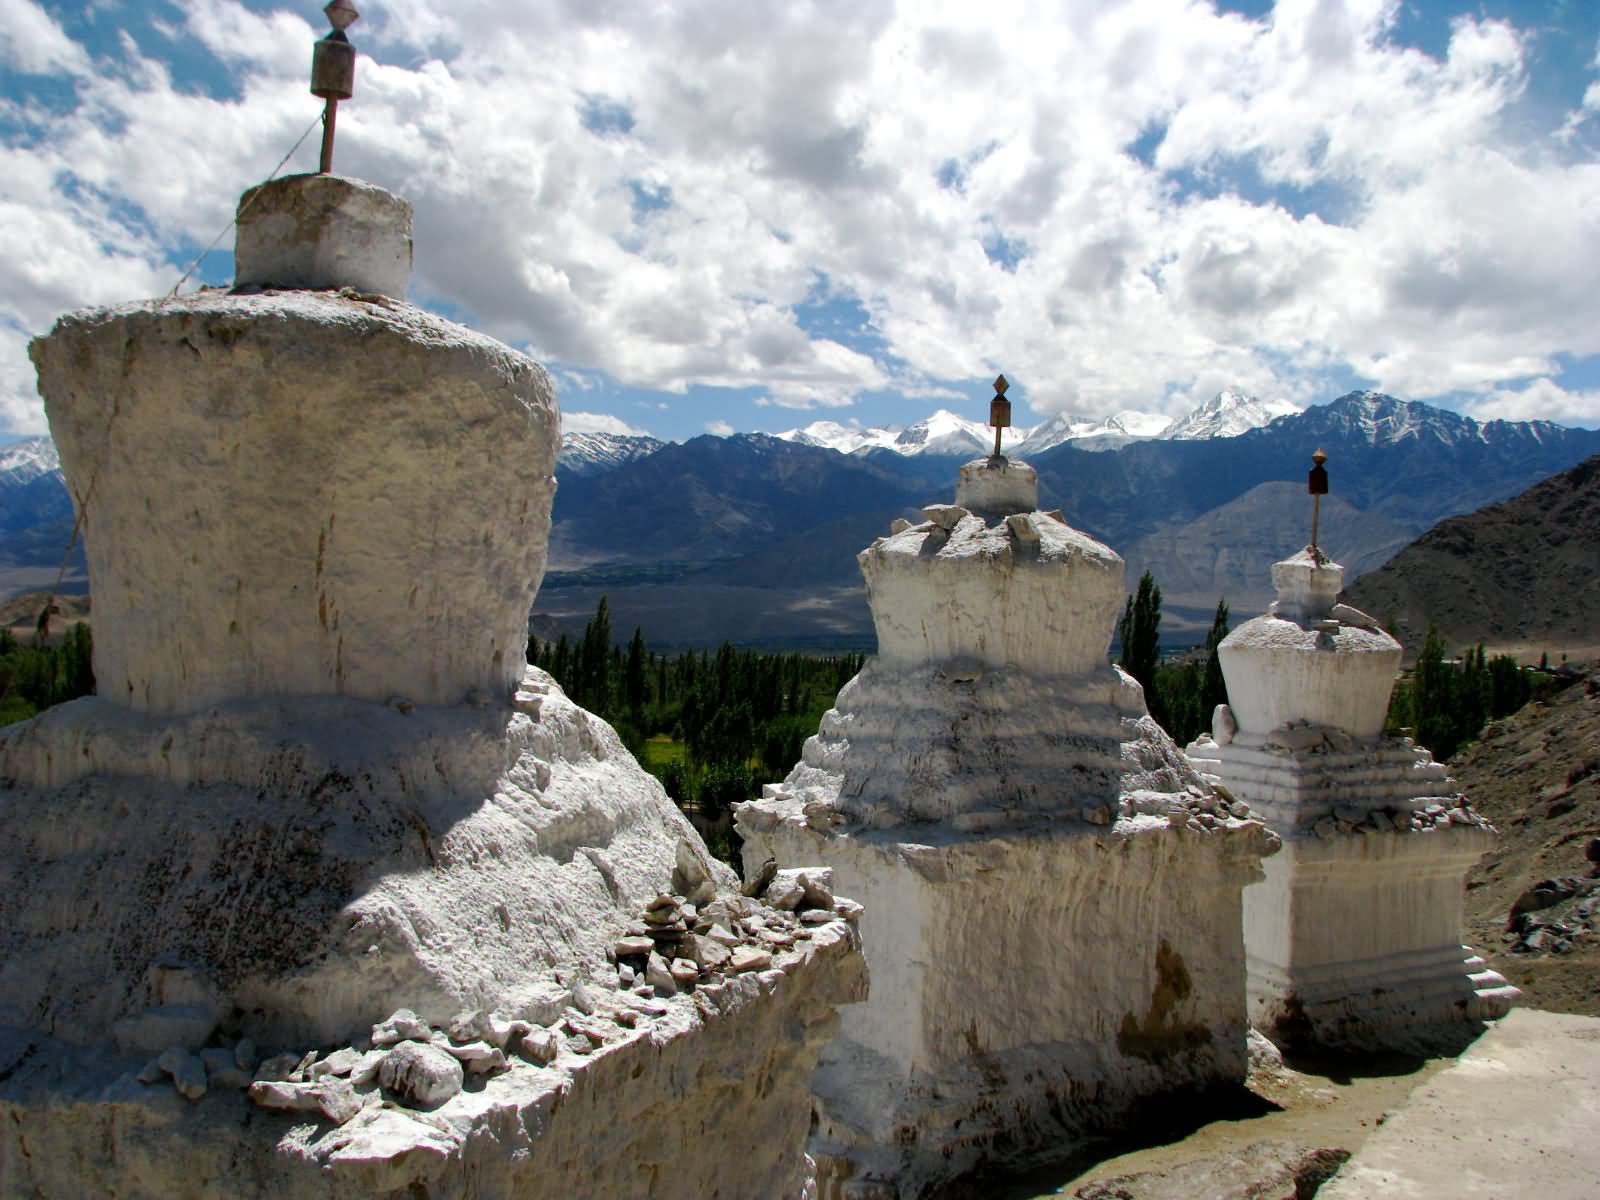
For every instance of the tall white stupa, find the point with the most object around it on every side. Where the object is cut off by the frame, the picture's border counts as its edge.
(1052, 893)
(1354, 937)
(327, 893)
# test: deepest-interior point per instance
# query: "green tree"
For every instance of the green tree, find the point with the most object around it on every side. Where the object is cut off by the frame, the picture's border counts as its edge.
(593, 682)
(634, 679)
(1432, 697)
(1140, 634)
(1509, 689)
(1213, 687)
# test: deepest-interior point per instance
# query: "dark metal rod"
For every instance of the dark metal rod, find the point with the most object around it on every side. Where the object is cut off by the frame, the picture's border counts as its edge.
(997, 441)
(1316, 510)
(329, 115)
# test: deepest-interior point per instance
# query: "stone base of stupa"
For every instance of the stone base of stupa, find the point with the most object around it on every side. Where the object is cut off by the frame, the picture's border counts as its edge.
(190, 903)
(1055, 940)
(1354, 936)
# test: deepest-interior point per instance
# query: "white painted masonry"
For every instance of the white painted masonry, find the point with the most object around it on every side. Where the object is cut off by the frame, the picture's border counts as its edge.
(323, 231)
(327, 893)
(1354, 937)
(1052, 894)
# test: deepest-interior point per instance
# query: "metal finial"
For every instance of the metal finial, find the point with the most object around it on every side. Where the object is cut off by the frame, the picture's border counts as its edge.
(999, 411)
(341, 14)
(333, 72)
(1317, 485)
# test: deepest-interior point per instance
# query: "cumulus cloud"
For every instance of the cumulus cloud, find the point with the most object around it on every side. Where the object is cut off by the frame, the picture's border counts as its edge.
(585, 422)
(1539, 399)
(32, 42)
(719, 428)
(1121, 205)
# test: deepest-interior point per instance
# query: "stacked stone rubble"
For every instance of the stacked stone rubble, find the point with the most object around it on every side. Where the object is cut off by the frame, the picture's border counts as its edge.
(1052, 894)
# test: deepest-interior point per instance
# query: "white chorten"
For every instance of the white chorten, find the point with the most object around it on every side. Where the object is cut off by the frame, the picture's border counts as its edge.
(1052, 894)
(1354, 937)
(320, 784)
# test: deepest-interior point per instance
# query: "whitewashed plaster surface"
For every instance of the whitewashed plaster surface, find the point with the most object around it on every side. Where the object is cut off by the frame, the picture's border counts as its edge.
(1025, 988)
(292, 873)
(318, 860)
(1354, 937)
(301, 493)
(1052, 894)
(998, 487)
(323, 231)
(1029, 590)
(1302, 663)
(320, 785)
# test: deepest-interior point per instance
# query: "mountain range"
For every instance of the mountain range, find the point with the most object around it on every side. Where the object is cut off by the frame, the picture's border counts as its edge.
(1227, 414)
(753, 537)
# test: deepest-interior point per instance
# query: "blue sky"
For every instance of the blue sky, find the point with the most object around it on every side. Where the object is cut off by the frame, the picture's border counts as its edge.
(719, 215)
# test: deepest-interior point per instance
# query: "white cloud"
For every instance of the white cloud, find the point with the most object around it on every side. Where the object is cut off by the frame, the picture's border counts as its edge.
(584, 422)
(803, 398)
(1191, 199)
(720, 428)
(33, 43)
(1540, 399)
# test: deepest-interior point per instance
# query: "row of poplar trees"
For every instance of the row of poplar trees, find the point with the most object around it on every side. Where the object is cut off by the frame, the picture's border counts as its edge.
(735, 718)
(1182, 695)
(33, 677)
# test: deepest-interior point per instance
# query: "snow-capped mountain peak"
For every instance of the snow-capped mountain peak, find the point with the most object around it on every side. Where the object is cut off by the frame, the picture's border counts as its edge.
(1379, 419)
(590, 453)
(28, 459)
(1228, 414)
(945, 433)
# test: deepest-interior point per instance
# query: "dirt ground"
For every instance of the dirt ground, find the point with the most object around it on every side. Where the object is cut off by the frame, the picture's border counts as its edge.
(1229, 1139)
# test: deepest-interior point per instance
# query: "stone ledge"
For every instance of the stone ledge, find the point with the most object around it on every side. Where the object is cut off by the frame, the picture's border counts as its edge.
(722, 1061)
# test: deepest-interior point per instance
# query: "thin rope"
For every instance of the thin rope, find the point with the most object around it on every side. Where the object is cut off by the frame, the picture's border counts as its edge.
(246, 206)
(42, 629)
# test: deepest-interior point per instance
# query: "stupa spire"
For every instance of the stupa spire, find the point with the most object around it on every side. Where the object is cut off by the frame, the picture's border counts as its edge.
(1317, 485)
(333, 72)
(999, 411)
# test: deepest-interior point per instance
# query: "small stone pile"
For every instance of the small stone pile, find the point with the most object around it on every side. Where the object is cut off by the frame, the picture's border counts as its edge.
(1349, 819)
(1196, 808)
(1553, 916)
(678, 945)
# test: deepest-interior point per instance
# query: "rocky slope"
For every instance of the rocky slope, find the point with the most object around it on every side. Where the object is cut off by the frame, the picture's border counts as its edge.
(1536, 775)
(1522, 574)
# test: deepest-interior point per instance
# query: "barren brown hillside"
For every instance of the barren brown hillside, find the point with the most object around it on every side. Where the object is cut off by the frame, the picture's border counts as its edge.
(1536, 775)
(1523, 575)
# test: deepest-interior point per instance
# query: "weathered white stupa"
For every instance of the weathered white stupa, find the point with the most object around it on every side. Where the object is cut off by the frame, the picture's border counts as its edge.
(326, 893)
(1354, 937)
(1052, 893)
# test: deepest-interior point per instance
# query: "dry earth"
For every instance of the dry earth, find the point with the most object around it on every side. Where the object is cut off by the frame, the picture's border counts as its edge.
(1536, 775)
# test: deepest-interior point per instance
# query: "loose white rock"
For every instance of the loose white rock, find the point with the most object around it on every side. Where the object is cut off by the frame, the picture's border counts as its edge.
(424, 1076)
(404, 1025)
